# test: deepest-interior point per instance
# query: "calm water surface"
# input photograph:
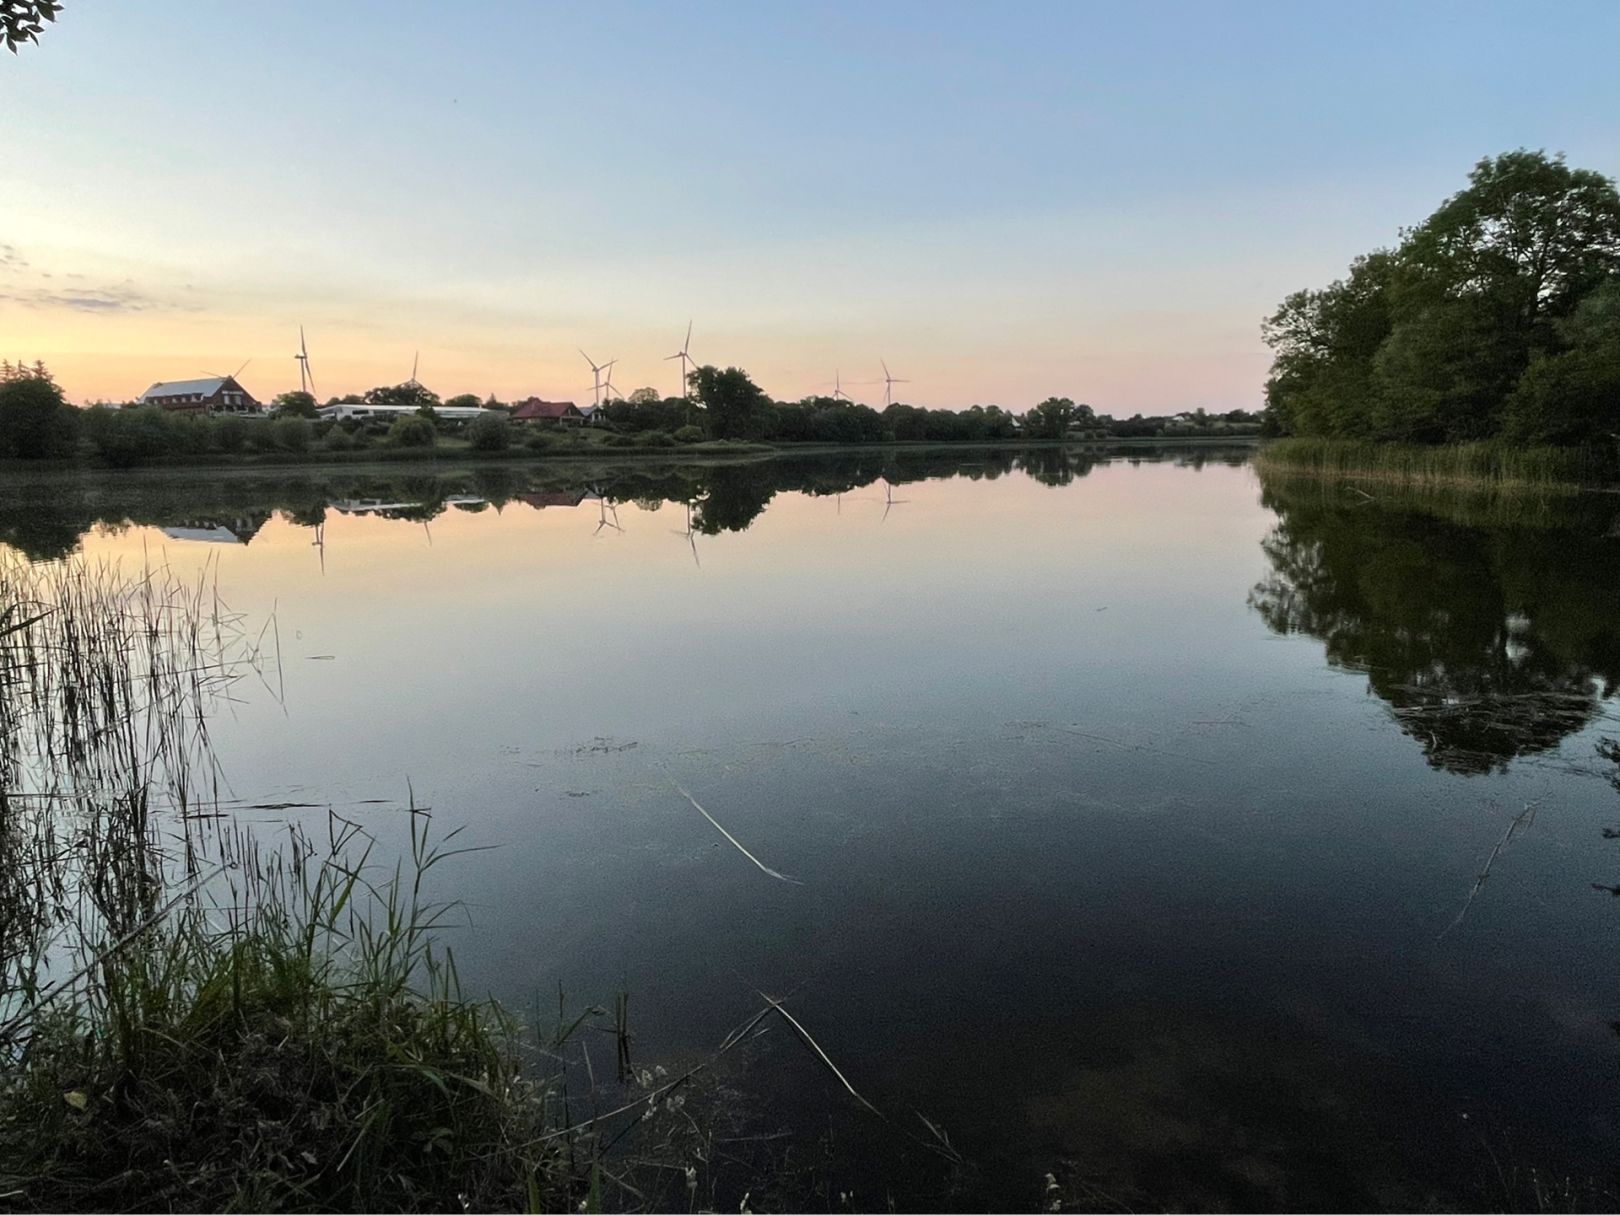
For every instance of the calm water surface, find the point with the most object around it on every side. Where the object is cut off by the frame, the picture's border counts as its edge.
(1138, 809)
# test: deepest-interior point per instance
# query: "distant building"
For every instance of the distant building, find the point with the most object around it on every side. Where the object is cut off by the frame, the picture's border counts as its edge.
(216, 394)
(536, 410)
(448, 413)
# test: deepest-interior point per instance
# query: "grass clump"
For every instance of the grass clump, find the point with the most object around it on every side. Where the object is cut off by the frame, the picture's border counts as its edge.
(1487, 464)
(311, 1051)
(188, 1020)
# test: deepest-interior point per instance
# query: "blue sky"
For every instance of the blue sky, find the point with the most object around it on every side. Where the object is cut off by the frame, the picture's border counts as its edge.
(1004, 201)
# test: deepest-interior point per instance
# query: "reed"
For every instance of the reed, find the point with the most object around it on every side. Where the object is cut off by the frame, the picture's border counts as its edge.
(1490, 464)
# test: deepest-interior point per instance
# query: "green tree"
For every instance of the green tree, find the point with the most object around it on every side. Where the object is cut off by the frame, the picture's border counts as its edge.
(1430, 342)
(1054, 417)
(411, 396)
(35, 419)
(24, 20)
(645, 396)
(465, 400)
(295, 404)
(412, 430)
(734, 406)
(1573, 396)
(490, 432)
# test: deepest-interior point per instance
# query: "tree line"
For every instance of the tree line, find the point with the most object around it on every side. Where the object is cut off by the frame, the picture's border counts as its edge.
(1497, 317)
(36, 422)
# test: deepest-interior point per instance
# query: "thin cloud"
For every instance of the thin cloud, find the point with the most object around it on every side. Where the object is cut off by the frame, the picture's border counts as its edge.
(120, 297)
(10, 258)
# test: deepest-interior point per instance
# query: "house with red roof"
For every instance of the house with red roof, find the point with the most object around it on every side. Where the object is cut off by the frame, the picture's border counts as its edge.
(535, 410)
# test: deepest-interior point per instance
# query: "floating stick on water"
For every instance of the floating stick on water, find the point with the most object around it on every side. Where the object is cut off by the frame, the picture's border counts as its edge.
(763, 868)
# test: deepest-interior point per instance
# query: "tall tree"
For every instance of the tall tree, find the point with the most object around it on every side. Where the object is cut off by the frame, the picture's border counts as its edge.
(734, 406)
(24, 20)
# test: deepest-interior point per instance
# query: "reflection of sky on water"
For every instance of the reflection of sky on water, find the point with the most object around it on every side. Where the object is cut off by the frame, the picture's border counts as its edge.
(1096, 866)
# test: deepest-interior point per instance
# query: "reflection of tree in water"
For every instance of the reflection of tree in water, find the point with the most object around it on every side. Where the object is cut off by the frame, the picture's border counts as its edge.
(1486, 641)
(48, 520)
(1057, 466)
(733, 497)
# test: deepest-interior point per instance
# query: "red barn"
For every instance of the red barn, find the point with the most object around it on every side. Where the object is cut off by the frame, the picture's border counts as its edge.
(536, 410)
(216, 394)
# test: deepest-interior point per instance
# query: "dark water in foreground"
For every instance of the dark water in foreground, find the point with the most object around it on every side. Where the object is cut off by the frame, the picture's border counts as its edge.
(1138, 808)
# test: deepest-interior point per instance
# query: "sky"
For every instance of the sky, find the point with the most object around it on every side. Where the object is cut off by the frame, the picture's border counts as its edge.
(1002, 201)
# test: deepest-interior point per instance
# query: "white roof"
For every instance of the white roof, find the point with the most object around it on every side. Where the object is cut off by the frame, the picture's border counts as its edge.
(175, 388)
(212, 535)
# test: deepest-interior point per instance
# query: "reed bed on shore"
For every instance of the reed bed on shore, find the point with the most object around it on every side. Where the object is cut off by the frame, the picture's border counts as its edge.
(1492, 465)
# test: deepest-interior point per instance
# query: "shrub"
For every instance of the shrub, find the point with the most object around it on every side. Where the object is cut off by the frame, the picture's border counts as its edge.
(538, 440)
(655, 438)
(689, 434)
(618, 441)
(291, 434)
(230, 433)
(413, 430)
(338, 439)
(490, 432)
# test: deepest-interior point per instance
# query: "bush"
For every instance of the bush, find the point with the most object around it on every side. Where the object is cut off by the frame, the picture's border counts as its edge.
(291, 434)
(230, 433)
(413, 430)
(490, 432)
(689, 434)
(655, 438)
(538, 440)
(618, 441)
(338, 439)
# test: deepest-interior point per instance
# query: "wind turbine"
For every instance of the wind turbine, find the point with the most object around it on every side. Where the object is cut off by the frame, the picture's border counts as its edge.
(415, 358)
(684, 354)
(597, 370)
(306, 377)
(607, 383)
(889, 382)
(838, 389)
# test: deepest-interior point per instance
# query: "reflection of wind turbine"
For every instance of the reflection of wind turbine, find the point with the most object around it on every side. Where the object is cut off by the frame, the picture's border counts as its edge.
(889, 500)
(684, 354)
(597, 370)
(690, 536)
(602, 502)
(320, 543)
(889, 382)
(306, 377)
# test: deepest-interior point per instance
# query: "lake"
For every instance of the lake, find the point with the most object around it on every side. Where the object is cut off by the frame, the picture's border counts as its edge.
(1136, 809)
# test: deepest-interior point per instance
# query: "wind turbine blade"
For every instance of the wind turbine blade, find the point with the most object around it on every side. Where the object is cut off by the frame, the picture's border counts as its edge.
(587, 358)
(241, 369)
(885, 369)
(679, 354)
(303, 346)
(688, 341)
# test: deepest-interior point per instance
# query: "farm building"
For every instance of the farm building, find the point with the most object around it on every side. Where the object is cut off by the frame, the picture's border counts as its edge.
(216, 394)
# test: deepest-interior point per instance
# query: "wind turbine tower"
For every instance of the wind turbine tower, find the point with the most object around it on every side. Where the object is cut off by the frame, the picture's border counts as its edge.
(685, 356)
(306, 376)
(596, 370)
(889, 382)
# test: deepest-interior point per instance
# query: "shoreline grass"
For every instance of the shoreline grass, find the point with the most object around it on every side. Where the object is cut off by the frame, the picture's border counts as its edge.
(1491, 465)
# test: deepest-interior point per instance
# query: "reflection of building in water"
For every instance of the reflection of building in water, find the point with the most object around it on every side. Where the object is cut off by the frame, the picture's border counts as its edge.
(540, 499)
(239, 530)
(389, 509)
